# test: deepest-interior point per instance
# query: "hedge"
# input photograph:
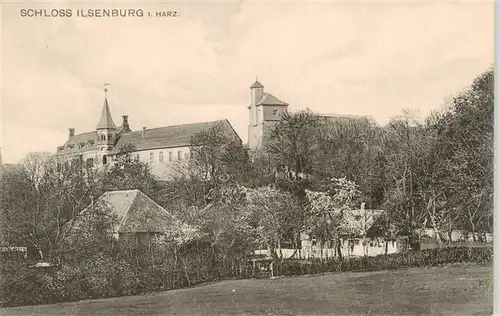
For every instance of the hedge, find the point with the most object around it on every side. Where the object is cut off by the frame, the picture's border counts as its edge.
(424, 258)
(104, 276)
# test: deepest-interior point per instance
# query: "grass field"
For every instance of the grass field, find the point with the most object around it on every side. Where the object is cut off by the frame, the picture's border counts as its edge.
(457, 290)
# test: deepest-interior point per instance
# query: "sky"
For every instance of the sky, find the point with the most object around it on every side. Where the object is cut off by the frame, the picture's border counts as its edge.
(363, 58)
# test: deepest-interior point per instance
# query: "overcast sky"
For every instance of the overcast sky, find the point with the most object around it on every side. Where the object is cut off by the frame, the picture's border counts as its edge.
(345, 58)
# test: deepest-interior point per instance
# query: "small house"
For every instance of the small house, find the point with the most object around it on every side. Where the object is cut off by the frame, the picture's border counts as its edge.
(136, 217)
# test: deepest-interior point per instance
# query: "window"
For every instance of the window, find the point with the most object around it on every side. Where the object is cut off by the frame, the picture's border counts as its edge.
(104, 160)
(137, 157)
(161, 156)
(151, 157)
(170, 156)
(275, 112)
(110, 137)
(179, 155)
(186, 156)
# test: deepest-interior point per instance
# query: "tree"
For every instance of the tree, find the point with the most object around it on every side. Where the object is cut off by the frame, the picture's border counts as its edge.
(352, 148)
(292, 142)
(465, 133)
(326, 212)
(128, 172)
(38, 198)
(276, 217)
(90, 232)
(442, 170)
(218, 157)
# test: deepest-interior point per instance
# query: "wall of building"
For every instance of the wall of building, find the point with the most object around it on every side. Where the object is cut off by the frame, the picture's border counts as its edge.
(255, 136)
(267, 117)
(164, 162)
(271, 112)
(374, 247)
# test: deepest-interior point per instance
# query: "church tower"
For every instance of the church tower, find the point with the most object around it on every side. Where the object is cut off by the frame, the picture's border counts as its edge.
(106, 132)
(264, 111)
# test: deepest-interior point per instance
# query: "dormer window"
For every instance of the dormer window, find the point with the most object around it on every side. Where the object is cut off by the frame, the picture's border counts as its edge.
(60, 148)
(91, 143)
(81, 145)
(71, 146)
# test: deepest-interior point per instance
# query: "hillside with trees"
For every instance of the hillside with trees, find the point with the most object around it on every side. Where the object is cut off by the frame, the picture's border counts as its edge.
(436, 174)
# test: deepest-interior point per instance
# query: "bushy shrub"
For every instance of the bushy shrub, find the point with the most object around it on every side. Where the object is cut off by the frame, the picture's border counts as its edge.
(98, 276)
(429, 257)
(104, 276)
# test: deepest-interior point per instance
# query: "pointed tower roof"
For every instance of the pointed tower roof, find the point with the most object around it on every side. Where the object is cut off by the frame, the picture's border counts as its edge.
(256, 84)
(106, 121)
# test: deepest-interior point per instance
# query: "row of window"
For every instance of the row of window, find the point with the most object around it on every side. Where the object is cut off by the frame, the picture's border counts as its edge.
(180, 156)
(102, 137)
(90, 161)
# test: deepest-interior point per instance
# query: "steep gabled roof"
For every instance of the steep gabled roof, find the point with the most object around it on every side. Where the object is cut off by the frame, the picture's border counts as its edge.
(269, 99)
(136, 212)
(169, 136)
(106, 120)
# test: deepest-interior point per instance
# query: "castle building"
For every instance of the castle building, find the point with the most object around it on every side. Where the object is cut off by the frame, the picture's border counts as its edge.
(264, 111)
(160, 147)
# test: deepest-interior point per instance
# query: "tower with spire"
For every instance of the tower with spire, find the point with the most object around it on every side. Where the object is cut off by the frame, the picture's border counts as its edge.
(106, 130)
(264, 111)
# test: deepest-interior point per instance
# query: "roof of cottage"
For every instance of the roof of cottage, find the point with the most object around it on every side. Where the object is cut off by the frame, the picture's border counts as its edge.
(136, 212)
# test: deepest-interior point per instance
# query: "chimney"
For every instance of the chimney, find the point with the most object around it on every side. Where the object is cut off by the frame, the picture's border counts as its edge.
(71, 132)
(143, 131)
(125, 126)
